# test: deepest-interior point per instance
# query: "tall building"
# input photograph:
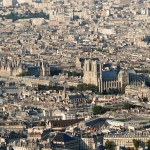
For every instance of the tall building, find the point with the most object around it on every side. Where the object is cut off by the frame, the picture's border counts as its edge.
(93, 73)
(107, 80)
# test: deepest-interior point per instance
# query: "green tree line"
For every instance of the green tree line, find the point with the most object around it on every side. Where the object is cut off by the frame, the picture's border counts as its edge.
(142, 71)
(84, 87)
(26, 73)
(15, 17)
(101, 110)
(46, 88)
(73, 73)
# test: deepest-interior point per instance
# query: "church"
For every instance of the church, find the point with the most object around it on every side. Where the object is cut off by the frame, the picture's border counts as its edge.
(13, 66)
(112, 79)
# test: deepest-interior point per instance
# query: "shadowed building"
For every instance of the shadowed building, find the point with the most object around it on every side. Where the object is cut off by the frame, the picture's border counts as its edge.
(63, 124)
(64, 141)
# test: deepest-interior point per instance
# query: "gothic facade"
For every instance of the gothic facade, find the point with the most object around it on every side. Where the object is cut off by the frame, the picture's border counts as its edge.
(40, 69)
(13, 66)
(112, 79)
(10, 67)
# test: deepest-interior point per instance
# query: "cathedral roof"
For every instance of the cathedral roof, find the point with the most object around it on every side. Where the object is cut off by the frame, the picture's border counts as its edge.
(131, 71)
(111, 73)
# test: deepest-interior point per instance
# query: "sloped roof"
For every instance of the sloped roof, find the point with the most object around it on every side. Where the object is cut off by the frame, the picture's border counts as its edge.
(62, 137)
(131, 71)
(74, 96)
(111, 73)
(65, 123)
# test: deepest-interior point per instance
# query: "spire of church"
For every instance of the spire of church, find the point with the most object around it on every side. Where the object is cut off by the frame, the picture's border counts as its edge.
(64, 91)
(118, 66)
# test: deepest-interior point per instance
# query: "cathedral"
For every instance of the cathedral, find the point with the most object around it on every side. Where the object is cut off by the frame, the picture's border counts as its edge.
(112, 79)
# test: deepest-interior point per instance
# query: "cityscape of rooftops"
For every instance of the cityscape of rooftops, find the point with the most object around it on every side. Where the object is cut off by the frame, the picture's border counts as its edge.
(74, 74)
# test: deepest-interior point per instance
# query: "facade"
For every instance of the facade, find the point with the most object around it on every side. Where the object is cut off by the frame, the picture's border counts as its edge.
(126, 140)
(41, 69)
(12, 125)
(34, 135)
(140, 91)
(89, 142)
(10, 67)
(76, 98)
(12, 90)
(9, 2)
(112, 79)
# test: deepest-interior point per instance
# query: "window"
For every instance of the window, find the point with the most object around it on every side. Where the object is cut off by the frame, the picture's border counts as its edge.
(90, 67)
(98, 68)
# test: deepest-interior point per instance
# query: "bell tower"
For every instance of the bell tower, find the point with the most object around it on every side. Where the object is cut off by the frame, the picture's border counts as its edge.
(93, 73)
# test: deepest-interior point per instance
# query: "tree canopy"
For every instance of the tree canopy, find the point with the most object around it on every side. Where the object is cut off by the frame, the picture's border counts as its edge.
(26, 73)
(142, 71)
(128, 106)
(136, 143)
(27, 15)
(73, 73)
(46, 88)
(109, 145)
(84, 87)
(99, 110)
(148, 144)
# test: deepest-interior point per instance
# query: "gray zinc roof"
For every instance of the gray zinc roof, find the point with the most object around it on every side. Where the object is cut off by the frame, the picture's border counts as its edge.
(106, 74)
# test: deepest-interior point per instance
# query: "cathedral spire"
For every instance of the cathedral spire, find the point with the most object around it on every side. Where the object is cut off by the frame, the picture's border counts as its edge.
(64, 91)
(118, 66)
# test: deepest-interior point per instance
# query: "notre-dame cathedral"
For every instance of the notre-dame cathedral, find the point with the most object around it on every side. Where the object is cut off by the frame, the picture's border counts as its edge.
(112, 79)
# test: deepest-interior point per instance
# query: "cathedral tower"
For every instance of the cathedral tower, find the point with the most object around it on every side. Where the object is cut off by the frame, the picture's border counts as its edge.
(93, 73)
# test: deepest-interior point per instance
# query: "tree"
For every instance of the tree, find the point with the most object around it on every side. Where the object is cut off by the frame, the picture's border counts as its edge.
(55, 72)
(99, 49)
(26, 73)
(109, 145)
(49, 87)
(18, 41)
(128, 106)
(148, 144)
(89, 101)
(73, 73)
(84, 87)
(136, 143)
(99, 110)
(142, 71)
